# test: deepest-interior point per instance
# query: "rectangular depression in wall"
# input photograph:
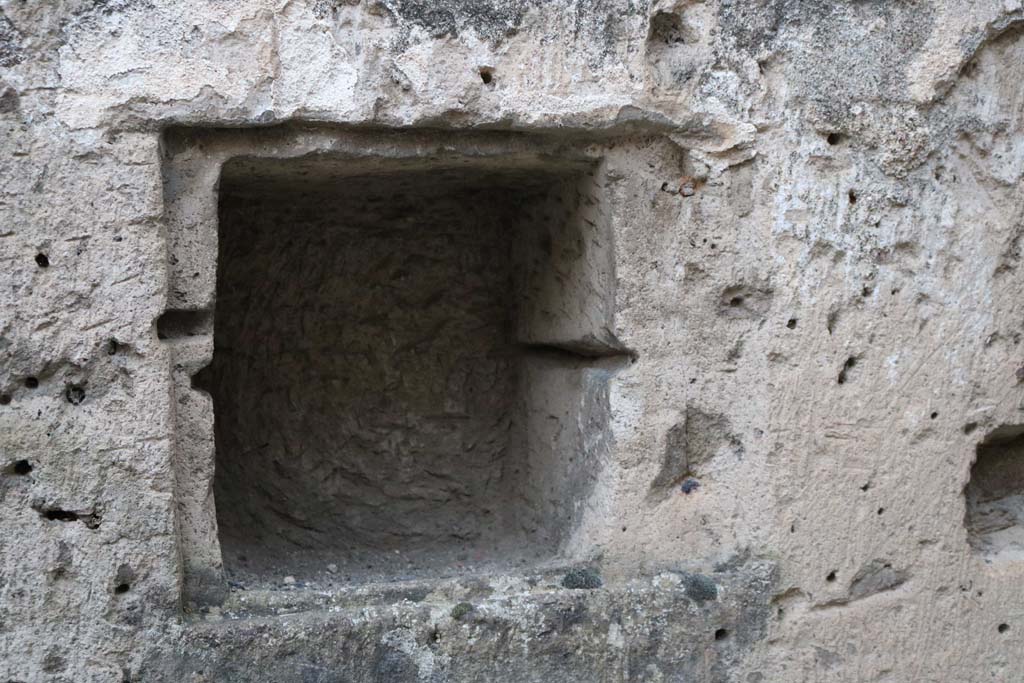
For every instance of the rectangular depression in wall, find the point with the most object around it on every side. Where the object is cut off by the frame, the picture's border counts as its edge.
(406, 376)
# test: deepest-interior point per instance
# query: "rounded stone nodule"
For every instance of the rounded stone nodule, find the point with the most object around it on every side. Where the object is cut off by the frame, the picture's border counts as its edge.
(582, 579)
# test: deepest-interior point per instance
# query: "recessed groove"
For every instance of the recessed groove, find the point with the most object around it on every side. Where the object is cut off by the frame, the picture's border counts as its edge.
(181, 324)
(580, 352)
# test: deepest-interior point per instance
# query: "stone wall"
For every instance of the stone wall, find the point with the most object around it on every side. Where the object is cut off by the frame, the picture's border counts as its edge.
(366, 340)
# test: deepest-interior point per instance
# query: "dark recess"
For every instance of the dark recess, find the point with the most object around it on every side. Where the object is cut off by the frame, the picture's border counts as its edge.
(995, 494)
(21, 467)
(387, 396)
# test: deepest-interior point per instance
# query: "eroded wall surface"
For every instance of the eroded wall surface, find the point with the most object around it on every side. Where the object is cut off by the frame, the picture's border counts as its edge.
(817, 300)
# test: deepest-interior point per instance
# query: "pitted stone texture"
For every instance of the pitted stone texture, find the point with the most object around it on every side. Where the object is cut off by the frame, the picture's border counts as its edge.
(860, 161)
(640, 630)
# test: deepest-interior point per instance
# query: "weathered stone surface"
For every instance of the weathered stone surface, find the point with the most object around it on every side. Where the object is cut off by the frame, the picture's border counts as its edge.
(806, 297)
(532, 630)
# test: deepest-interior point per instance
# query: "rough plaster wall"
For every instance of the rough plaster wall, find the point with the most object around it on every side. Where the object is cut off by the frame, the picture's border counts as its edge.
(854, 177)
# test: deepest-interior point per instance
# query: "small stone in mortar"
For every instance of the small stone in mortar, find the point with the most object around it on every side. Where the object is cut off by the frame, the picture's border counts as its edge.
(460, 610)
(582, 579)
(700, 588)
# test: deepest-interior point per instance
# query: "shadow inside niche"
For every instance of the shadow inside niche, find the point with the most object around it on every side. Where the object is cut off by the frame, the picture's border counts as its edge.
(995, 496)
(389, 395)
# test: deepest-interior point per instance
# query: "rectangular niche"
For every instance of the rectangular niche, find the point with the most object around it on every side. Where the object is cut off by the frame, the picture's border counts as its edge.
(410, 363)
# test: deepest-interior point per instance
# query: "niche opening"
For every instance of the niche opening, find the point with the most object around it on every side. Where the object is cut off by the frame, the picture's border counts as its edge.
(410, 364)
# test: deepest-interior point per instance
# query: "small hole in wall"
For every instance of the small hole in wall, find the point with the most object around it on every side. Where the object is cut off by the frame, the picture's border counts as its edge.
(721, 634)
(668, 28)
(5, 399)
(850, 362)
(31, 382)
(852, 196)
(736, 301)
(881, 510)
(112, 347)
(60, 515)
(791, 323)
(831, 576)
(42, 261)
(834, 138)
(970, 427)
(74, 394)
(1003, 628)
(123, 579)
(21, 467)
(486, 75)
(934, 415)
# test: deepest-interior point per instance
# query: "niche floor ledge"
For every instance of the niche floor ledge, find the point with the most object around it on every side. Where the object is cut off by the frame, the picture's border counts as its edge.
(680, 625)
